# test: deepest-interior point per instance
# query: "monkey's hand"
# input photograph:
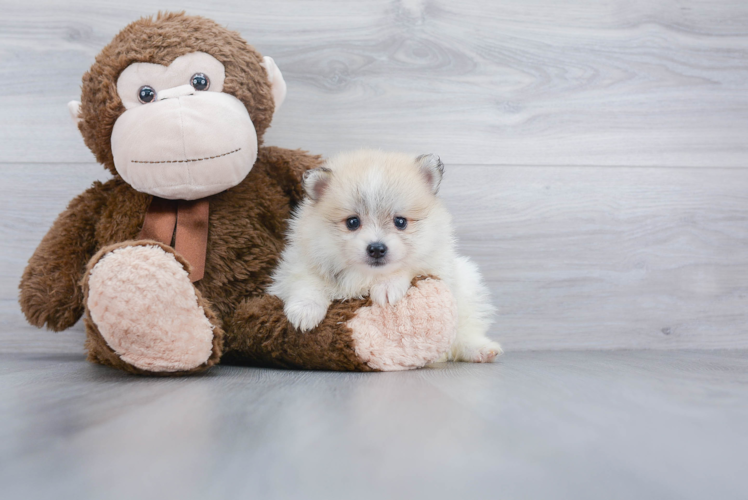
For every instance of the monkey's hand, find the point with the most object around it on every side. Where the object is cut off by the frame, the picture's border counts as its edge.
(50, 286)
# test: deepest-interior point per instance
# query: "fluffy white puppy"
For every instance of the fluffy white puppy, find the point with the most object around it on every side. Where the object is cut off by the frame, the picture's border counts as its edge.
(370, 224)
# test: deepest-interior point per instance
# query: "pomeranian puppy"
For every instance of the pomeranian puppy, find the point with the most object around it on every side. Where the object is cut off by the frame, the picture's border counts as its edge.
(371, 223)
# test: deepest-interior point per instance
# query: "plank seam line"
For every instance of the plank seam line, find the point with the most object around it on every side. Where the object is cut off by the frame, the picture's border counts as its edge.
(455, 164)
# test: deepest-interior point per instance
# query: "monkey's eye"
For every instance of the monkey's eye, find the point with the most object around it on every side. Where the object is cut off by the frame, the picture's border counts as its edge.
(400, 222)
(352, 223)
(146, 94)
(200, 81)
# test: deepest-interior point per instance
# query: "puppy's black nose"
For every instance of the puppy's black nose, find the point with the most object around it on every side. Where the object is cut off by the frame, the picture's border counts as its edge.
(376, 250)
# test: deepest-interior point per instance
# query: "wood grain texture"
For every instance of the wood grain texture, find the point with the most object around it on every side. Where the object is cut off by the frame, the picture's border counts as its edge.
(543, 112)
(576, 257)
(561, 425)
(608, 258)
(614, 82)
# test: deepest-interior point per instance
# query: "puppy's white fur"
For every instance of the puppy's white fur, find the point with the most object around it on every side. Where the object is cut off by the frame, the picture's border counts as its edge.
(325, 260)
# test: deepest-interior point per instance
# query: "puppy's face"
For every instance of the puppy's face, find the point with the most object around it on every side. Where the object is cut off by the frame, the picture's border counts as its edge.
(373, 211)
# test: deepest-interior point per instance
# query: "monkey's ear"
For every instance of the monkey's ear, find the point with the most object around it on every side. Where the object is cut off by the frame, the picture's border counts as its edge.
(432, 169)
(316, 181)
(75, 111)
(277, 82)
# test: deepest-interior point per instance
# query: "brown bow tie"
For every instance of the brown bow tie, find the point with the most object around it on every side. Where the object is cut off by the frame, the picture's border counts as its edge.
(182, 225)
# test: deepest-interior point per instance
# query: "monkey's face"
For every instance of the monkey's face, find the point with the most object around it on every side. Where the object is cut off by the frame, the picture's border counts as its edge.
(176, 105)
(181, 136)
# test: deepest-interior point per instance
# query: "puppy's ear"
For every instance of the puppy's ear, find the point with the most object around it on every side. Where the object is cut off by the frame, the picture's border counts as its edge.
(315, 182)
(432, 169)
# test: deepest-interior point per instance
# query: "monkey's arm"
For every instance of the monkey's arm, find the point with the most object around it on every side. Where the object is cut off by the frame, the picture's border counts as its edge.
(50, 285)
(356, 335)
(287, 166)
(260, 334)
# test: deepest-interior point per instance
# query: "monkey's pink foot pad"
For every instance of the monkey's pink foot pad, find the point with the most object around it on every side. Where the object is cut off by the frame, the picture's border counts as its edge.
(146, 308)
(412, 333)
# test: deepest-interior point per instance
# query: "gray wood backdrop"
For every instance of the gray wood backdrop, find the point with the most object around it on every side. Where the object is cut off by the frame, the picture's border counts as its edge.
(596, 150)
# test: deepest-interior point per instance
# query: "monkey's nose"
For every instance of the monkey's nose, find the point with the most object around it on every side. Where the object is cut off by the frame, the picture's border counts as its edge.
(376, 250)
(180, 91)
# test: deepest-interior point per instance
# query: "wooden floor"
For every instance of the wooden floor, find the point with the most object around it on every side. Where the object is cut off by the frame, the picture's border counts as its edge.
(576, 425)
(597, 168)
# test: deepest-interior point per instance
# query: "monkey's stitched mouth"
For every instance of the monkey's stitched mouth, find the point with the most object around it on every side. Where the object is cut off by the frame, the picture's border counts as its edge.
(190, 160)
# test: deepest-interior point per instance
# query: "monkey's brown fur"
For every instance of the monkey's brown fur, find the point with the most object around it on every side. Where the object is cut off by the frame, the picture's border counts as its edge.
(247, 222)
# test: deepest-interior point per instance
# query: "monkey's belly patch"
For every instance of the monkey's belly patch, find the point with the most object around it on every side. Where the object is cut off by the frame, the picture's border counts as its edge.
(145, 307)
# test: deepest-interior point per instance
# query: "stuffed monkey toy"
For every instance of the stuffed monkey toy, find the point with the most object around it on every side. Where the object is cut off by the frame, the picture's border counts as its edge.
(169, 260)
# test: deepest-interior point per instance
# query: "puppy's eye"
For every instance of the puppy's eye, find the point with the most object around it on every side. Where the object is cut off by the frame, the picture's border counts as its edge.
(401, 222)
(146, 94)
(353, 223)
(200, 81)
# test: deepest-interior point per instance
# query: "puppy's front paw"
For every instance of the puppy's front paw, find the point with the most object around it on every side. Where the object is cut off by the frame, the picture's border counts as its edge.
(378, 294)
(305, 314)
(389, 292)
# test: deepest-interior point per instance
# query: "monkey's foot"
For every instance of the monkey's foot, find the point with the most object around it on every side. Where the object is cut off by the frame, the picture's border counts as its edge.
(143, 304)
(414, 332)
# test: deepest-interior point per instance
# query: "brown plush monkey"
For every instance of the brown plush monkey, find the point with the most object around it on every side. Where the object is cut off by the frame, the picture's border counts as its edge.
(169, 260)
